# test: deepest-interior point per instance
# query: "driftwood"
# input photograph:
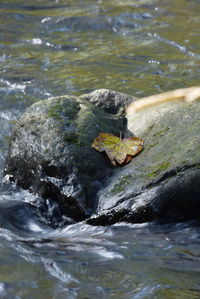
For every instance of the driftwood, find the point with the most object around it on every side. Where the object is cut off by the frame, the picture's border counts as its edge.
(187, 94)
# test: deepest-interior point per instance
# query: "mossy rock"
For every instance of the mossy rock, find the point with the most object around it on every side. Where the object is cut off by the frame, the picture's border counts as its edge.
(50, 154)
(50, 149)
(163, 181)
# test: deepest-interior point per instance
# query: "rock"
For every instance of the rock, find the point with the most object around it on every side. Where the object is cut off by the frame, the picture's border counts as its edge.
(109, 100)
(161, 183)
(50, 154)
(50, 148)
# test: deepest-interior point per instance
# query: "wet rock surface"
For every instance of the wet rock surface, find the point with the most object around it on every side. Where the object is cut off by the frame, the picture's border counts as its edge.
(163, 182)
(50, 149)
(50, 154)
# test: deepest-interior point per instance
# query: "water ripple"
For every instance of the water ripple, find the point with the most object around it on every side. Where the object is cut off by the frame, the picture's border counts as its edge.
(56, 271)
(9, 86)
(174, 44)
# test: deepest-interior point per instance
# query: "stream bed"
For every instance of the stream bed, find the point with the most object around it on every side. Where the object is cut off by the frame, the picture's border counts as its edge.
(56, 47)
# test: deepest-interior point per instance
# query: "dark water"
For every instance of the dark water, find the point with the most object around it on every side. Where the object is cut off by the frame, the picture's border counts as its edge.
(49, 48)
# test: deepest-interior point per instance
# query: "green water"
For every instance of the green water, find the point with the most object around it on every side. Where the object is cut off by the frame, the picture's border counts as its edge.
(56, 47)
(138, 47)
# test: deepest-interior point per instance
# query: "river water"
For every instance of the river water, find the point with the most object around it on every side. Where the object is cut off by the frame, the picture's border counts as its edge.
(56, 47)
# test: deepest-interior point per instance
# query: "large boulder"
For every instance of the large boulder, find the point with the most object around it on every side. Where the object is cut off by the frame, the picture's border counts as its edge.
(50, 154)
(50, 148)
(163, 182)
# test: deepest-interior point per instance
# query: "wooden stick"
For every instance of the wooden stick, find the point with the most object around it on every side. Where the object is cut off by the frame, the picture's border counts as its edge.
(187, 94)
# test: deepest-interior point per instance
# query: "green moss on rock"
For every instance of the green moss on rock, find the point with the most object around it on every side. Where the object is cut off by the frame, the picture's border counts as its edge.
(161, 167)
(63, 109)
(122, 184)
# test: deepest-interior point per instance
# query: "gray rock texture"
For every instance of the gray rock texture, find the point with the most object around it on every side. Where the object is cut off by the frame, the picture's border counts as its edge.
(50, 149)
(163, 182)
(50, 154)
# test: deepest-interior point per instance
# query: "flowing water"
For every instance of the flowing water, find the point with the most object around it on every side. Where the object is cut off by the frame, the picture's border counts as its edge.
(55, 47)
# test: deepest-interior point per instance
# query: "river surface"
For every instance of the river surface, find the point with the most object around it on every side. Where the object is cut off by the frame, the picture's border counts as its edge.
(56, 47)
